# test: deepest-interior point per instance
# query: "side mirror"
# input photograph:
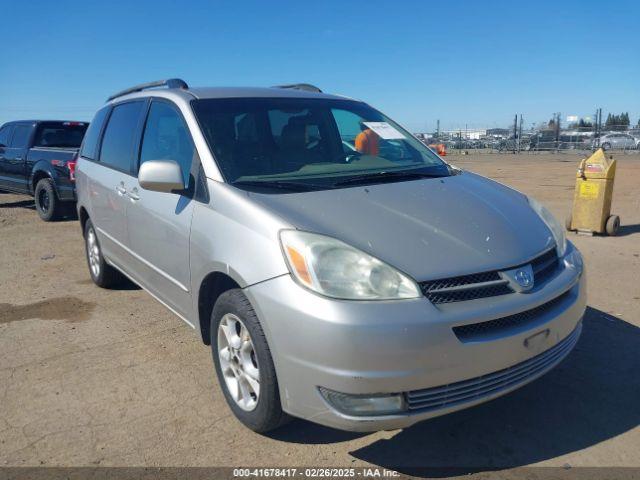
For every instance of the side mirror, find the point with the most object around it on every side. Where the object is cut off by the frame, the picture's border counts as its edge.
(161, 176)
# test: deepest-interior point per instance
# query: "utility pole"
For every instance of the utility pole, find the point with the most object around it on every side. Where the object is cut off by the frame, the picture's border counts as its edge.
(520, 135)
(557, 131)
(515, 133)
(598, 126)
(438, 130)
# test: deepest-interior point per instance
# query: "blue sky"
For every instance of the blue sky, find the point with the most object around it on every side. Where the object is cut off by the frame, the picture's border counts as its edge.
(472, 63)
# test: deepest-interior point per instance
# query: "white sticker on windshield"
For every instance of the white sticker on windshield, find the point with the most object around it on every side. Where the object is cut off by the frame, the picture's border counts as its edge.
(384, 130)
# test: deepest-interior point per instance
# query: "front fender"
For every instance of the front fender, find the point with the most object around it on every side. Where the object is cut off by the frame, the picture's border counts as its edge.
(234, 236)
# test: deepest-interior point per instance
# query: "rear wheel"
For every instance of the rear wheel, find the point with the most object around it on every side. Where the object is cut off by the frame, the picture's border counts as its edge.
(48, 206)
(612, 225)
(102, 274)
(243, 363)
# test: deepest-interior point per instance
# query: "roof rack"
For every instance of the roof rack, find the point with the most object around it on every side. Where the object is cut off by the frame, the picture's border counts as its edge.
(170, 83)
(301, 86)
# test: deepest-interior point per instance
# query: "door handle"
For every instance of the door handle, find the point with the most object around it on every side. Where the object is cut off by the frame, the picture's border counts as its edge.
(121, 190)
(133, 195)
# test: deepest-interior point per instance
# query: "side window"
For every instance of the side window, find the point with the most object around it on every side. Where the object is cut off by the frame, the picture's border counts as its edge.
(117, 144)
(5, 135)
(20, 136)
(91, 138)
(166, 137)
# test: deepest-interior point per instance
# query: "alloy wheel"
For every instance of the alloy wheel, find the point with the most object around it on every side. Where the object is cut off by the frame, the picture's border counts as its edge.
(43, 200)
(238, 362)
(93, 252)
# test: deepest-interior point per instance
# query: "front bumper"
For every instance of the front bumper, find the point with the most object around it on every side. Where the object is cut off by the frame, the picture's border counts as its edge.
(407, 346)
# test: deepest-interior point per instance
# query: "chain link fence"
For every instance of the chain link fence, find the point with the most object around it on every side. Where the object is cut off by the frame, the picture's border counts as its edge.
(573, 138)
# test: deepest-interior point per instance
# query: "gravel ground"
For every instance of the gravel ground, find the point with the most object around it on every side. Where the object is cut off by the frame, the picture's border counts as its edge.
(93, 377)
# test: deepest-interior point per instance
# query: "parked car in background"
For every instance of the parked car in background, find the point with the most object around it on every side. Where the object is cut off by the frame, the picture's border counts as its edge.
(364, 288)
(619, 141)
(38, 158)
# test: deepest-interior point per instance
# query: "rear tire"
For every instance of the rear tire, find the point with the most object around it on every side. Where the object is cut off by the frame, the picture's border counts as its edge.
(612, 225)
(262, 412)
(48, 206)
(102, 274)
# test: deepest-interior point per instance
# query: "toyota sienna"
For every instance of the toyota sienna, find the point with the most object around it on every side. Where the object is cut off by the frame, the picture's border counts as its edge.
(339, 269)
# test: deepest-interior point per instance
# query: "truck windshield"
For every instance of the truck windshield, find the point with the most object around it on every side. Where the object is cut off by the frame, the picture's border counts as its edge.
(60, 134)
(322, 143)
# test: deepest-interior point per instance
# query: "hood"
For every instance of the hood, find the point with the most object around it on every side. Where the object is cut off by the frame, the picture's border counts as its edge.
(429, 228)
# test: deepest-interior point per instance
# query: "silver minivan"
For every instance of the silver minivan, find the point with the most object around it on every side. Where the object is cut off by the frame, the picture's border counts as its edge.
(341, 271)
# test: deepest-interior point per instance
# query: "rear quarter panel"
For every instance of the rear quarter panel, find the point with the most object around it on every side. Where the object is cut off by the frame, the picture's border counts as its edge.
(52, 161)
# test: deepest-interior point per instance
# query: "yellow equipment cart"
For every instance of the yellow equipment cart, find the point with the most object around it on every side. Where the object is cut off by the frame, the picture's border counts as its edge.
(592, 199)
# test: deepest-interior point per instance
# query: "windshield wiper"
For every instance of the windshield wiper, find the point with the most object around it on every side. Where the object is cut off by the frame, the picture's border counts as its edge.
(369, 177)
(280, 184)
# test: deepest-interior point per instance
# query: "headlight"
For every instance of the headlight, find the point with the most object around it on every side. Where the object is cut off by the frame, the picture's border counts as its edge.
(335, 269)
(556, 228)
(574, 260)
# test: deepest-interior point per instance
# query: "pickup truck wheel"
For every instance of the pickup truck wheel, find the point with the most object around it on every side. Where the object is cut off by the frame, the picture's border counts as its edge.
(244, 365)
(102, 274)
(47, 204)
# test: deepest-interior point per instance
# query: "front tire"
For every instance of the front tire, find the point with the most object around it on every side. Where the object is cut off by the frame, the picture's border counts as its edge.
(102, 274)
(48, 206)
(244, 365)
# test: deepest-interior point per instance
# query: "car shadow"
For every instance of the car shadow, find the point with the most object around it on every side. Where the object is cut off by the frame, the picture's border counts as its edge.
(301, 431)
(28, 204)
(590, 397)
(625, 230)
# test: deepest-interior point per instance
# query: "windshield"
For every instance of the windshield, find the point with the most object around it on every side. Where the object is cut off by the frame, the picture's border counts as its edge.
(318, 143)
(60, 134)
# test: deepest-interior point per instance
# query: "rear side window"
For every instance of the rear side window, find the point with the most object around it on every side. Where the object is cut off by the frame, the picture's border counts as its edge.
(20, 136)
(166, 138)
(117, 143)
(92, 137)
(60, 134)
(5, 135)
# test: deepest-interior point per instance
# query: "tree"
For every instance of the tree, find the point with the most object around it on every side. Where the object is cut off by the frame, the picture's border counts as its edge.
(584, 124)
(617, 122)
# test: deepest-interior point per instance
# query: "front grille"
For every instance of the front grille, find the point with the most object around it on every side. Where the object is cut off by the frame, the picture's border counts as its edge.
(485, 284)
(475, 388)
(479, 331)
(465, 287)
(544, 266)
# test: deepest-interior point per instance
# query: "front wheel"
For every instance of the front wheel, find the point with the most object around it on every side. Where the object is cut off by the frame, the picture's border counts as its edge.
(244, 365)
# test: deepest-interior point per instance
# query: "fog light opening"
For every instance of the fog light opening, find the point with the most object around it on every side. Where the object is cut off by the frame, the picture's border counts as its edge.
(364, 405)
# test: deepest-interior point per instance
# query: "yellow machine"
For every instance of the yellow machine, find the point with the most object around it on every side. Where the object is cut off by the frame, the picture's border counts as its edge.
(592, 198)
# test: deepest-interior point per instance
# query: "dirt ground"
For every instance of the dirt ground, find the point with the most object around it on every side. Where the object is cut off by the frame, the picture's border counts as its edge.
(93, 377)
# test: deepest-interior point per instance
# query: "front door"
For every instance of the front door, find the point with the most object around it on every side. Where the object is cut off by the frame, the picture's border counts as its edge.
(159, 224)
(5, 137)
(15, 159)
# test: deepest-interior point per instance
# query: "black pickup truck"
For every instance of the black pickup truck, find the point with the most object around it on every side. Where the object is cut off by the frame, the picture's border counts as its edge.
(39, 158)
